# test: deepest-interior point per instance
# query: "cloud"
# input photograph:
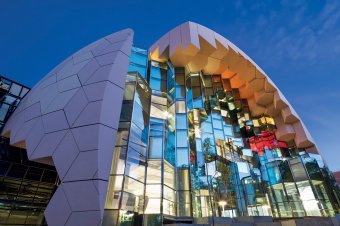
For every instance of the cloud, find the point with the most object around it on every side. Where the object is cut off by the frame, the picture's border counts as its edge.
(293, 30)
(320, 113)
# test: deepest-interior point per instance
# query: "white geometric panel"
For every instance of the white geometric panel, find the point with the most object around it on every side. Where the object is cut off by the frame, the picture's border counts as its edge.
(64, 123)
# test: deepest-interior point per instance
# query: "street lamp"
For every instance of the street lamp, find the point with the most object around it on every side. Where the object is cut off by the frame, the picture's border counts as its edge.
(222, 203)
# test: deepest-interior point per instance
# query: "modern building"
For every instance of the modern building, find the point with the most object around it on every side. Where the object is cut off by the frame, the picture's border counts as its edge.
(10, 95)
(25, 186)
(190, 129)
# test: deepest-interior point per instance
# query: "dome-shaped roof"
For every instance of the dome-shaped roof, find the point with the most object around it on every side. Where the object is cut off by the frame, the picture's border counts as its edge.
(201, 49)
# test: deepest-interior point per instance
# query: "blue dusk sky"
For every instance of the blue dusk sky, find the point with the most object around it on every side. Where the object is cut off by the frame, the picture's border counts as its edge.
(296, 42)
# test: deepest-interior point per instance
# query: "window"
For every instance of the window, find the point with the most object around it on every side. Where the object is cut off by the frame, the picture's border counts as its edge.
(169, 193)
(140, 69)
(138, 58)
(169, 175)
(196, 92)
(154, 172)
(140, 117)
(182, 157)
(217, 124)
(15, 89)
(133, 193)
(180, 106)
(158, 84)
(206, 127)
(184, 203)
(207, 81)
(153, 206)
(298, 169)
(209, 91)
(118, 163)
(228, 130)
(180, 92)
(138, 136)
(126, 112)
(179, 79)
(114, 192)
(135, 165)
(182, 138)
(181, 121)
(219, 134)
(156, 147)
(153, 191)
(183, 179)
(122, 136)
(3, 111)
(169, 207)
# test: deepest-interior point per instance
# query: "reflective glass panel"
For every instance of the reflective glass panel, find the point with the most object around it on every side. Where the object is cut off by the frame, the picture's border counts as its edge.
(182, 138)
(156, 147)
(182, 156)
(169, 207)
(181, 121)
(135, 165)
(114, 192)
(118, 163)
(180, 106)
(153, 191)
(152, 206)
(154, 172)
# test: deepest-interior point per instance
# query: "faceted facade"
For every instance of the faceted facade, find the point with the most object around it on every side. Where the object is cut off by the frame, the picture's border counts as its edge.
(188, 130)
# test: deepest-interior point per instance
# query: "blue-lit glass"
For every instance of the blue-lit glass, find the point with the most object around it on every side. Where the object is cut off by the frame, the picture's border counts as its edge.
(181, 138)
(228, 130)
(198, 103)
(170, 152)
(138, 58)
(191, 148)
(217, 124)
(140, 69)
(156, 147)
(181, 121)
(206, 127)
(273, 173)
(182, 159)
(180, 92)
(219, 134)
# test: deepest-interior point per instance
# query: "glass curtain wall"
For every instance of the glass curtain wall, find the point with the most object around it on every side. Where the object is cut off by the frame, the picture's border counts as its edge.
(188, 147)
(161, 183)
(138, 61)
(125, 198)
(25, 187)
(10, 95)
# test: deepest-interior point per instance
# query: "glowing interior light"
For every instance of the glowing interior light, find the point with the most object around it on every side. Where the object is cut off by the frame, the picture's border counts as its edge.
(222, 203)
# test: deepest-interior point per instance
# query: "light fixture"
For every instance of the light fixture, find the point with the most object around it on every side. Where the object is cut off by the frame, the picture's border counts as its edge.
(222, 203)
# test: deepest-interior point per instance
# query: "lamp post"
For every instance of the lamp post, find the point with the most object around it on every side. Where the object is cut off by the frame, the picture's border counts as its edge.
(222, 203)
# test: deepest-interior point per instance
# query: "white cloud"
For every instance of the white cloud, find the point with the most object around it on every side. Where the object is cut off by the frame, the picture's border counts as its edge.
(294, 30)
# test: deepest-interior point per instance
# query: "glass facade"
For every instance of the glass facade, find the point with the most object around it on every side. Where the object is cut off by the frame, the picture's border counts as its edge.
(10, 95)
(188, 147)
(26, 187)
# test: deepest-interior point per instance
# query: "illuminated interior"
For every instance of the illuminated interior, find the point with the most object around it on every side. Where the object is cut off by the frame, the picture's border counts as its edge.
(189, 146)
